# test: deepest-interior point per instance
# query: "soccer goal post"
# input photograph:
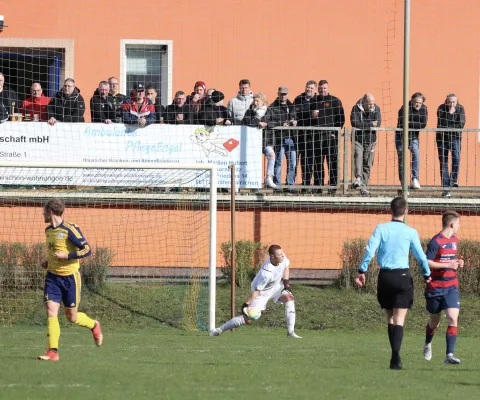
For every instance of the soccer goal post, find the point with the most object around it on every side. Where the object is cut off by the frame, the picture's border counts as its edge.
(152, 229)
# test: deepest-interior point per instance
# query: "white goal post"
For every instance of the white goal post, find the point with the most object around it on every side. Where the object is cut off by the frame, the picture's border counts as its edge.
(146, 180)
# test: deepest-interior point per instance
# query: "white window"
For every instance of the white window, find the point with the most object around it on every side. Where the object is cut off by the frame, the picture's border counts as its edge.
(147, 62)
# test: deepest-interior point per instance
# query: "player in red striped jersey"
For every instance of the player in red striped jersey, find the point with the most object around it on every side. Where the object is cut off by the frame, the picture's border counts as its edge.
(442, 293)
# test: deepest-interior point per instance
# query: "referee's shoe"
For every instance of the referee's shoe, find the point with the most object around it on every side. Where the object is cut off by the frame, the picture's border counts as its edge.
(396, 364)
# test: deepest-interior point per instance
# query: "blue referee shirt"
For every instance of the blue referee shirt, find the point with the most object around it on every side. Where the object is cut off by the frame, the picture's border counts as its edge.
(394, 241)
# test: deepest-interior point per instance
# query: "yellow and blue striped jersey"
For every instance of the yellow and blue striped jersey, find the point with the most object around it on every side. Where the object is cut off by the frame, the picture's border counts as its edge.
(65, 238)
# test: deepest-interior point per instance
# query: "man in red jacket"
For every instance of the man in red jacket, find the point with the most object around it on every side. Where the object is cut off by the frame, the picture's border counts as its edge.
(36, 104)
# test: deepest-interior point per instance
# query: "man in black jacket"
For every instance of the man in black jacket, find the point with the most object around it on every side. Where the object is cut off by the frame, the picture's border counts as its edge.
(8, 100)
(285, 139)
(179, 112)
(102, 109)
(304, 137)
(450, 115)
(67, 105)
(327, 111)
(152, 94)
(215, 113)
(417, 120)
(116, 98)
(365, 116)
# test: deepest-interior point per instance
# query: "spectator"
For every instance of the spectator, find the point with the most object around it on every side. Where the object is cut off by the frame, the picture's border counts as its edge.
(197, 100)
(151, 94)
(8, 100)
(285, 140)
(261, 117)
(36, 104)
(304, 138)
(208, 96)
(116, 98)
(216, 114)
(327, 111)
(450, 115)
(365, 116)
(138, 109)
(102, 109)
(67, 105)
(179, 111)
(417, 120)
(238, 106)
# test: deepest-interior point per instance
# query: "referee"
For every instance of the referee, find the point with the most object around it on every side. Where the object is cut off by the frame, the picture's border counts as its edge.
(395, 284)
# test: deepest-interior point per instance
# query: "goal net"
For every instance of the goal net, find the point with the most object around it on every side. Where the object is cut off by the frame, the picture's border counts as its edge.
(152, 237)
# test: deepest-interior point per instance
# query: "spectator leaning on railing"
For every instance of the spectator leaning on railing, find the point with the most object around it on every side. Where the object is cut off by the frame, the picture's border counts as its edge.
(215, 113)
(102, 109)
(364, 116)
(238, 106)
(8, 100)
(36, 105)
(327, 111)
(179, 112)
(261, 117)
(304, 138)
(138, 109)
(285, 140)
(450, 114)
(115, 97)
(417, 120)
(152, 94)
(67, 105)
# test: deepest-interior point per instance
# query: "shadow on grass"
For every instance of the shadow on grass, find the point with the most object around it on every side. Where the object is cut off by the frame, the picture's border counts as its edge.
(129, 308)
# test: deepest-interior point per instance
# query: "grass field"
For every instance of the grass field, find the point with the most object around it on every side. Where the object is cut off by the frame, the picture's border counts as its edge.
(250, 363)
(344, 354)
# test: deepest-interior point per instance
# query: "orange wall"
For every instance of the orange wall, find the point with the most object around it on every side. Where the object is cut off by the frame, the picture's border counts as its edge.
(180, 237)
(356, 45)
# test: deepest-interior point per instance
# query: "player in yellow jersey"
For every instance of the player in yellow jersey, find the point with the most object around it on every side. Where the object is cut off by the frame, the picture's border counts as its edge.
(65, 246)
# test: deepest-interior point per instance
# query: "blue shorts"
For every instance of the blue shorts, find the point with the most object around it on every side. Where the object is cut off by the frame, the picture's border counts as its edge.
(63, 288)
(449, 299)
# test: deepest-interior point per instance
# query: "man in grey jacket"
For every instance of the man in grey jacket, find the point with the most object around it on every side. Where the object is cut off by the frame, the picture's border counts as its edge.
(365, 116)
(238, 106)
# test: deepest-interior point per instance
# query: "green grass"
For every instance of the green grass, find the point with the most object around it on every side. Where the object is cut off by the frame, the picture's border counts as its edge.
(249, 363)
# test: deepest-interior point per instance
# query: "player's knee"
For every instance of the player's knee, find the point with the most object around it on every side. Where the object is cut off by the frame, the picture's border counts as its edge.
(71, 317)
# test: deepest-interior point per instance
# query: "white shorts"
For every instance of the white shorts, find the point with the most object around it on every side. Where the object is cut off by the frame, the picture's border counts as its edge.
(265, 295)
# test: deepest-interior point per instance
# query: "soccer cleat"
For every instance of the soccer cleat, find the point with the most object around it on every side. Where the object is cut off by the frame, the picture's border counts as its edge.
(396, 364)
(415, 184)
(293, 335)
(427, 351)
(451, 360)
(50, 355)
(97, 334)
(215, 332)
(357, 183)
(269, 182)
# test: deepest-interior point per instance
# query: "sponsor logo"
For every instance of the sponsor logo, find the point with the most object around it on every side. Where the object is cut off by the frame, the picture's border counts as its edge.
(60, 235)
(231, 144)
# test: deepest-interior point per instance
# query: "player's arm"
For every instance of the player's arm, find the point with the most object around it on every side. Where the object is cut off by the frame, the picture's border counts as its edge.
(453, 264)
(372, 247)
(252, 296)
(77, 238)
(285, 279)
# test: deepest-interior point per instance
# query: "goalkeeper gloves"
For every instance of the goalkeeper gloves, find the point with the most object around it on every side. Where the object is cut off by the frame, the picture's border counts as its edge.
(286, 287)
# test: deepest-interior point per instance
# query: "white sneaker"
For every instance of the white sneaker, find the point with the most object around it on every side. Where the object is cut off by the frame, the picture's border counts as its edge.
(357, 183)
(269, 182)
(293, 335)
(215, 332)
(451, 359)
(427, 351)
(415, 184)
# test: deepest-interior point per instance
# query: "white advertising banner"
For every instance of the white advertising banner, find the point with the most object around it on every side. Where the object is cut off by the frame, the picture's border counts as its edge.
(117, 143)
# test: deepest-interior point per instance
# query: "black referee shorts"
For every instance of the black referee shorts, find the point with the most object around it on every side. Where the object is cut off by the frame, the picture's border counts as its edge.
(395, 289)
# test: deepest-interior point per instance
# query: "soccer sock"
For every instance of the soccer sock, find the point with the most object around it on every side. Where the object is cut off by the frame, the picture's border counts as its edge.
(53, 329)
(390, 334)
(84, 320)
(429, 332)
(290, 315)
(233, 323)
(397, 338)
(452, 332)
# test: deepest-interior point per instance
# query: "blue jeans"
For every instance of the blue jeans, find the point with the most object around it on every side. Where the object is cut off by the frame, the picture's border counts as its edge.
(414, 147)
(449, 141)
(287, 149)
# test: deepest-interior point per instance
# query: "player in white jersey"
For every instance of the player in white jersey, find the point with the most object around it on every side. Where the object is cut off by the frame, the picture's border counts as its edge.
(270, 283)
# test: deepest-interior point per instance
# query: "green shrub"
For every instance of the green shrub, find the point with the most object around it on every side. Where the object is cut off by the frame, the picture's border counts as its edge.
(95, 268)
(354, 249)
(249, 256)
